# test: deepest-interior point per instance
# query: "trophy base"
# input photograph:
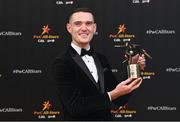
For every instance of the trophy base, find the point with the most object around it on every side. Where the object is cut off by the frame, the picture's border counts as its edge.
(134, 71)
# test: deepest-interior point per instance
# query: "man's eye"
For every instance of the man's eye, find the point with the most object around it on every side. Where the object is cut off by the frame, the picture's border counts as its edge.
(78, 23)
(89, 23)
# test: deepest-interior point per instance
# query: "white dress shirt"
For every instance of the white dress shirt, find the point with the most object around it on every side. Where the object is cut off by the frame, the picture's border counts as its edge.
(88, 60)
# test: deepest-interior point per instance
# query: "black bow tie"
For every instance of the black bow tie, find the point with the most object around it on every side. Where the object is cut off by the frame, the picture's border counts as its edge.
(87, 52)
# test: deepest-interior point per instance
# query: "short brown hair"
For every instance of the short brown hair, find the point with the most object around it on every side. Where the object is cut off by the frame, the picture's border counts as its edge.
(82, 10)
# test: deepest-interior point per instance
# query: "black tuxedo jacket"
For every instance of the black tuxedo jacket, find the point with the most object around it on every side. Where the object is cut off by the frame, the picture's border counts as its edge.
(80, 96)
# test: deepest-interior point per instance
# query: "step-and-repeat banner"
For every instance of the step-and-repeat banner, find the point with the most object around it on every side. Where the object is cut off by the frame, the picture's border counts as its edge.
(33, 33)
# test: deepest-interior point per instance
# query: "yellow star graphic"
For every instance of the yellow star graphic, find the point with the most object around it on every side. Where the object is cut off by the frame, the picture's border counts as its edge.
(121, 28)
(46, 105)
(45, 29)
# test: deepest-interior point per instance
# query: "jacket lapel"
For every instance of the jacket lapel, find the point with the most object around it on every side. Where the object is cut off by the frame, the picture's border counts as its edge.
(100, 72)
(82, 65)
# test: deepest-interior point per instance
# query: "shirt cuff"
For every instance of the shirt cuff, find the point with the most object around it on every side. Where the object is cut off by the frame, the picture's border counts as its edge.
(109, 96)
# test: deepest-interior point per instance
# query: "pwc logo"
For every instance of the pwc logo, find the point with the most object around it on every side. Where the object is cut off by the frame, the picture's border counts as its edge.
(123, 112)
(121, 36)
(46, 112)
(45, 36)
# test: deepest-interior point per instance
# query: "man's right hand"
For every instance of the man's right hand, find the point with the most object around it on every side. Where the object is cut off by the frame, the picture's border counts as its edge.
(125, 87)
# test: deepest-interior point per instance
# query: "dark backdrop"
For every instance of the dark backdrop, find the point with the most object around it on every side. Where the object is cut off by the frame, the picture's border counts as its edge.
(26, 81)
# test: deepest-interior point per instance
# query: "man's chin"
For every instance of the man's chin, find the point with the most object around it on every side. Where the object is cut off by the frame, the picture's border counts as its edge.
(85, 41)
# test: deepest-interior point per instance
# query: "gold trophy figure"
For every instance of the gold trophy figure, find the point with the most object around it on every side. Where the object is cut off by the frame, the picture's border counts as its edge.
(134, 70)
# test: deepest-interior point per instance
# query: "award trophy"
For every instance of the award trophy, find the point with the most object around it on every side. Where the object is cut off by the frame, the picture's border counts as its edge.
(134, 70)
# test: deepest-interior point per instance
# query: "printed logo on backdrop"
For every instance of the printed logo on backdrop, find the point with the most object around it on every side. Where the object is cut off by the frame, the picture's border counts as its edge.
(64, 2)
(160, 32)
(123, 112)
(161, 108)
(11, 110)
(46, 111)
(173, 69)
(10, 33)
(121, 36)
(140, 1)
(27, 71)
(45, 35)
(147, 74)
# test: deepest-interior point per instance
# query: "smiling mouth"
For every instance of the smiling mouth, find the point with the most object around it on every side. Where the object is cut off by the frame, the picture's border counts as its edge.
(84, 35)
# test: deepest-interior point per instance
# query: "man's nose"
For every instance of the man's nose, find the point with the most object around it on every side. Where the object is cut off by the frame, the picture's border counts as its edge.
(83, 27)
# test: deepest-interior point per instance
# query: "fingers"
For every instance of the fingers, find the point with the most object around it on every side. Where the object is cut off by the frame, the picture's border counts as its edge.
(126, 87)
(135, 83)
(126, 81)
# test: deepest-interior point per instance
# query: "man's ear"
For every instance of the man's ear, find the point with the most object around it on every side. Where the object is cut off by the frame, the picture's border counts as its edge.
(95, 26)
(68, 26)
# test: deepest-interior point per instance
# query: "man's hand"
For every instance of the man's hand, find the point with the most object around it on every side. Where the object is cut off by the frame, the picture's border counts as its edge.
(125, 87)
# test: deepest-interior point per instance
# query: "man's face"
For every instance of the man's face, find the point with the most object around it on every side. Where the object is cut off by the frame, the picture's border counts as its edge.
(82, 27)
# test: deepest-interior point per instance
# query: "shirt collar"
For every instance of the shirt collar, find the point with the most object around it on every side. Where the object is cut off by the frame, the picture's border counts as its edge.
(78, 49)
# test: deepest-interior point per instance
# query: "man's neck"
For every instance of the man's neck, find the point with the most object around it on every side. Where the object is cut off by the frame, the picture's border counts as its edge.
(77, 48)
(84, 46)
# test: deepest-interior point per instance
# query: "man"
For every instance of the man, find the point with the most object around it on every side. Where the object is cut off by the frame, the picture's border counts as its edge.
(86, 86)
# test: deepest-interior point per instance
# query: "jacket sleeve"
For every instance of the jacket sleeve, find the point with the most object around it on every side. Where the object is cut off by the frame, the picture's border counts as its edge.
(113, 82)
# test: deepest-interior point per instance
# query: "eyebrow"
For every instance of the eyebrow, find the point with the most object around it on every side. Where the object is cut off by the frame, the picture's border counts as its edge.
(82, 21)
